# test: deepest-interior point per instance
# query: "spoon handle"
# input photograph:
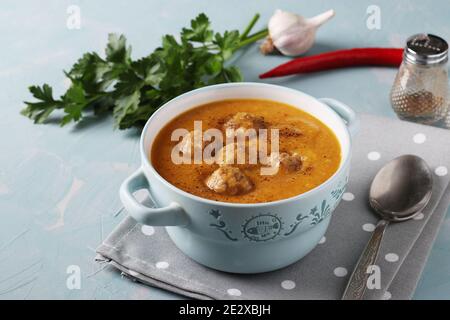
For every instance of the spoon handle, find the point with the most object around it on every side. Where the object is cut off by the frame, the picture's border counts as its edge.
(358, 281)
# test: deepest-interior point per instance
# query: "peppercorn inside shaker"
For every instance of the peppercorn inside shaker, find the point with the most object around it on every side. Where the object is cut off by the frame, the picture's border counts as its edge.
(420, 89)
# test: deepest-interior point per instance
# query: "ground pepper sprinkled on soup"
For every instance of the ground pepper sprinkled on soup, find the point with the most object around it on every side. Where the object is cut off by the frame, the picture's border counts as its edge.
(309, 152)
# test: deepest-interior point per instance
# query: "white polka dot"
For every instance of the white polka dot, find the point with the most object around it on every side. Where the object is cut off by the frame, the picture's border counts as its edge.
(441, 171)
(234, 292)
(288, 284)
(162, 265)
(340, 272)
(133, 273)
(147, 230)
(386, 296)
(322, 240)
(419, 216)
(419, 138)
(391, 257)
(373, 156)
(369, 227)
(348, 196)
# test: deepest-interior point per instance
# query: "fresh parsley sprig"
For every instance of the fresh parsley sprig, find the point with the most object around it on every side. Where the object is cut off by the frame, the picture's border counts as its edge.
(133, 89)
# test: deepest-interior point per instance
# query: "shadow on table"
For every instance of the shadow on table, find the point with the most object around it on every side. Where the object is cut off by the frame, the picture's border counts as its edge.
(91, 121)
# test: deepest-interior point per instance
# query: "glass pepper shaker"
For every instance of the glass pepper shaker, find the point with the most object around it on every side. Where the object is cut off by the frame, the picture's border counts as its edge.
(420, 89)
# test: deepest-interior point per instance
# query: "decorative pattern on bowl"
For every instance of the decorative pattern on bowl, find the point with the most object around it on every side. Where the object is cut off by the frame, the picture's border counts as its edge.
(270, 226)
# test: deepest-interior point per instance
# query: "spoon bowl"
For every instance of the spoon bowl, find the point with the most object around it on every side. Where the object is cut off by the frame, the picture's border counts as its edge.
(401, 188)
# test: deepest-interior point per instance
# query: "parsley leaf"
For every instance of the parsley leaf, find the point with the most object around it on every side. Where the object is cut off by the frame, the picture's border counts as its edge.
(200, 30)
(117, 50)
(74, 101)
(228, 42)
(40, 111)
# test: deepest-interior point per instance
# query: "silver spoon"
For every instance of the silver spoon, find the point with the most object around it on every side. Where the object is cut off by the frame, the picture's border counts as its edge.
(399, 191)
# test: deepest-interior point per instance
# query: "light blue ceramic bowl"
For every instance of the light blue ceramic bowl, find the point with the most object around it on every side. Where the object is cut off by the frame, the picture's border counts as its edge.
(241, 238)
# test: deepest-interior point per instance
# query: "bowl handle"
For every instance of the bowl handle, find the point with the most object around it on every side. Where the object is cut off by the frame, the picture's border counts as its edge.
(345, 112)
(172, 215)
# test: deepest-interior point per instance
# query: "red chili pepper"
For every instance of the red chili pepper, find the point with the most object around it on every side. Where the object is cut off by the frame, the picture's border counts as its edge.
(338, 59)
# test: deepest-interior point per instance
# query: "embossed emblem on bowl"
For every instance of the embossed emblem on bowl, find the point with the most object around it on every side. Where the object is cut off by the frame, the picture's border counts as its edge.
(263, 227)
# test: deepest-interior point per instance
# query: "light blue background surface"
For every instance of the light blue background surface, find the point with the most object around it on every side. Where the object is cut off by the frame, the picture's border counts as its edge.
(59, 187)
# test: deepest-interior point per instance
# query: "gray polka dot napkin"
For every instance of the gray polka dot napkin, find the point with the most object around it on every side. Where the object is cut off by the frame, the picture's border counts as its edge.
(146, 254)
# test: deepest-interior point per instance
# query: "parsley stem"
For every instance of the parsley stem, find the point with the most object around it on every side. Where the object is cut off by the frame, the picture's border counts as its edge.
(250, 26)
(254, 37)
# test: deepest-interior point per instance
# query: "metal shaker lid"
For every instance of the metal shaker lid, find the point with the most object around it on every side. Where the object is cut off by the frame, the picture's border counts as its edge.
(426, 49)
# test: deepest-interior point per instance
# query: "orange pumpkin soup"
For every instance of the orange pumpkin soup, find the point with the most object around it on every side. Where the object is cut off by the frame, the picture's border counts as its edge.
(309, 152)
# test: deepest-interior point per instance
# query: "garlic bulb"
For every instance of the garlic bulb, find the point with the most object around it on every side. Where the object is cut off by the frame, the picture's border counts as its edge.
(293, 34)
